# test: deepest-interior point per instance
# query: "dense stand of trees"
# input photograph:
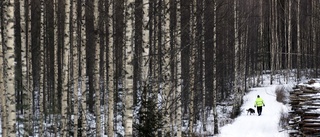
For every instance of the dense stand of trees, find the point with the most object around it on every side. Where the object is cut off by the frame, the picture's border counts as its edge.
(68, 64)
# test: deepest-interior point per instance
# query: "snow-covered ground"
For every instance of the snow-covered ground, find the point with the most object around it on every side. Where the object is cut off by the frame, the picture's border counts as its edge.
(266, 125)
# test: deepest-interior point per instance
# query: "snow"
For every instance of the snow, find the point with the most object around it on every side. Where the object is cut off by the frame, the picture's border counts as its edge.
(245, 125)
(266, 125)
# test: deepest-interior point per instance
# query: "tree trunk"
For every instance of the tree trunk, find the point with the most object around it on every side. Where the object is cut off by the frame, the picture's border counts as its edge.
(41, 60)
(110, 71)
(9, 58)
(272, 41)
(166, 67)
(237, 72)
(192, 55)
(30, 67)
(55, 66)
(24, 52)
(314, 37)
(178, 73)
(66, 50)
(2, 88)
(298, 42)
(289, 61)
(104, 34)
(261, 45)
(214, 105)
(185, 45)
(75, 61)
(145, 44)
(83, 71)
(96, 69)
(128, 83)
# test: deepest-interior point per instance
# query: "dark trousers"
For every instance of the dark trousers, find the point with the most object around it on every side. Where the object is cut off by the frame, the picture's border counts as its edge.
(259, 110)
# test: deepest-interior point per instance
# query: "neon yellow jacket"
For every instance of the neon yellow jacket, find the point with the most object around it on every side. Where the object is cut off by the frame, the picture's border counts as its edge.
(259, 102)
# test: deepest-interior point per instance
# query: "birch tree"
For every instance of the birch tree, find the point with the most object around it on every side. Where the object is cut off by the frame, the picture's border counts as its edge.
(155, 51)
(166, 67)
(272, 40)
(55, 65)
(144, 67)
(192, 55)
(41, 59)
(261, 44)
(75, 61)
(314, 21)
(2, 88)
(215, 113)
(4, 22)
(24, 52)
(9, 58)
(110, 70)
(104, 35)
(237, 71)
(298, 42)
(178, 70)
(289, 61)
(128, 114)
(66, 50)
(29, 67)
(83, 71)
(96, 69)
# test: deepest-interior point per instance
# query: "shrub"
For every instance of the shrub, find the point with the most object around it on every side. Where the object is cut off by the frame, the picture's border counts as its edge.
(284, 120)
(281, 95)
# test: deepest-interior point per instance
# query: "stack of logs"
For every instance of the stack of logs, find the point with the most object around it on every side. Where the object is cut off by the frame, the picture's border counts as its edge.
(305, 115)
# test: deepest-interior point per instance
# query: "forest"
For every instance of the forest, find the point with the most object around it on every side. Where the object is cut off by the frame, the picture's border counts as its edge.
(144, 67)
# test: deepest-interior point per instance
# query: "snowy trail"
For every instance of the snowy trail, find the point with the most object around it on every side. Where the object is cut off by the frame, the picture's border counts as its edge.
(265, 125)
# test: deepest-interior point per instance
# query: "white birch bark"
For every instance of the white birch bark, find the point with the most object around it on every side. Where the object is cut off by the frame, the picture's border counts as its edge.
(65, 71)
(83, 70)
(9, 57)
(214, 105)
(144, 66)
(29, 67)
(179, 79)
(41, 58)
(128, 114)
(4, 126)
(166, 67)
(2, 90)
(96, 69)
(75, 66)
(24, 65)
(145, 44)
(55, 101)
(110, 72)
(104, 66)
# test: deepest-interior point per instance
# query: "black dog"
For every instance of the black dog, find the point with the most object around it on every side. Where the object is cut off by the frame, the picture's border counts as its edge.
(251, 111)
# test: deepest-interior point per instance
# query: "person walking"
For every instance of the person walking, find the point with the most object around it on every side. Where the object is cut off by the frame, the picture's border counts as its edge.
(259, 103)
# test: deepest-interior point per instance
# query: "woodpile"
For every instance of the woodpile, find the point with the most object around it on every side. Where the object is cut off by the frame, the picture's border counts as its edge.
(304, 119)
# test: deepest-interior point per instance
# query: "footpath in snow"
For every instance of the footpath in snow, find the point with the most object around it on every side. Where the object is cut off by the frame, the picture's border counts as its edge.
(265, 125)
